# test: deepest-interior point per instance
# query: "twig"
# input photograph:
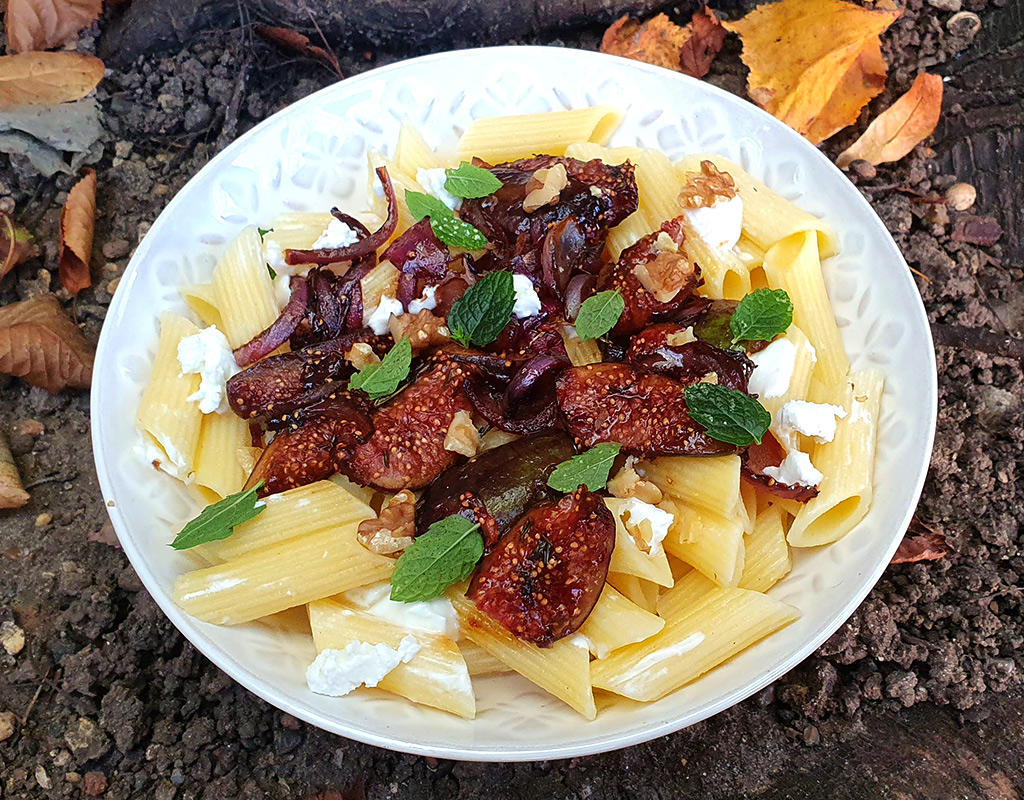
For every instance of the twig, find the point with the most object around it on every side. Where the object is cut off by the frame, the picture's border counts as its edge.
(55, 478)
(979, 340)
(230, 125)
(35, 698)
(327, 46)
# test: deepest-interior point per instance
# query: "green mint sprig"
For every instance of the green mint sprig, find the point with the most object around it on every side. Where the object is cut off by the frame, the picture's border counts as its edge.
(599, 313)
(446, 226)
(729, 415)
(382, 380)
(484, 310)
(444, 555)
(470, 181)
(761, 316)
(590, 468)
(219, 520)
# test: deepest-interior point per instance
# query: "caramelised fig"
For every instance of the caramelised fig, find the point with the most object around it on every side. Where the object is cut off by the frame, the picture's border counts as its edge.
(770, 453)
(406, 450)
(544, 577)
(655, 267)
(507, 480)
(316, 445)
(644, 412)
(689, 362)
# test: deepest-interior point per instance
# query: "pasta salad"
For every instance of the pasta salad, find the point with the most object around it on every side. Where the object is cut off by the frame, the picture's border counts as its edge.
(547, 406)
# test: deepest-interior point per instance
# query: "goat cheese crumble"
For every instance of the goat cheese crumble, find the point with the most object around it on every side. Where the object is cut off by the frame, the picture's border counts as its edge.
(719, 225)
(432, 181)
(649, 521)
(381, 315)
(773, 369)
(337, 672)
(208, 355)
(337, 234)
(527, 300)
(817, 420)
(796, 469)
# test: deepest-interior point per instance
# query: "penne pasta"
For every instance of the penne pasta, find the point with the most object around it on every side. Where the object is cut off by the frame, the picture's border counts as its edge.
(479, 662)
(496, 139)
(716, 551)
(766, 558)
(413, 153)
(705, 483)
(243, 288)
(726, 275)
(689, 589)
(436, 675)
(202, 299)
(640, 592)
(847, 462)
(562, 669)
(616, 622)
(379, 281)
(218, 468)
(581, 352)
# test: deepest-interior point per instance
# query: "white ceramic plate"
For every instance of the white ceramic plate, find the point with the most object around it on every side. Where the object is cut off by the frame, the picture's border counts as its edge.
(311, 156)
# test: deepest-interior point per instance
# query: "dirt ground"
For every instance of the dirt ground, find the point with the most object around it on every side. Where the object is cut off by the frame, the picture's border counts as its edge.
(919, 695)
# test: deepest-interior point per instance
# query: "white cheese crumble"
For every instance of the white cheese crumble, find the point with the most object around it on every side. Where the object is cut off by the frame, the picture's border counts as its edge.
(282, 289)
(160, 458)
(425, 301)
(337, 672)
(432, 181)
(720, 225)
(817, 420)
(796, 469)
(337, 234)
(208, 355)
(273, 254)
(433, 616)
(773, 369)
(527, 300)
(648, 521)
(381, 315)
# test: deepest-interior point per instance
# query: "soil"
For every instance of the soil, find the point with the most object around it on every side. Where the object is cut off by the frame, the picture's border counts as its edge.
(106, 698)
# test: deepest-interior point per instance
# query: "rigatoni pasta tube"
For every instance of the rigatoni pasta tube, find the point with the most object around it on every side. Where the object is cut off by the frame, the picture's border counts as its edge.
(793, 265)
(717, 550)
(202, 299)
(166, 416)
(294, 572)
(562, 669)
(766, 559)
(847, 463)
(615, 622)
(412, 153)
(718, 626)
(688, 590)
(496, 139)
(708, 483)
(436, 676)
(218, 467)
(244, 291)
(628, 557)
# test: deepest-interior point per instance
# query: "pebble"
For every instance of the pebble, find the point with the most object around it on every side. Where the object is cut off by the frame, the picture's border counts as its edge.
(946, 5)
(72, 777)
(12, 638)
(86, 740)
(116, 248)
(811, 735)
(43, 520)
(95, 784)
(23, 434)
(7, 720)
(123, 149)
(42, 778)
(864, 169)
(112, 286)
(961, 196)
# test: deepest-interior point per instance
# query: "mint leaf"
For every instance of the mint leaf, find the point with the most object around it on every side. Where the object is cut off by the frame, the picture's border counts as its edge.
(590, 468)
(599, 313)
(467, 180)
(219, 520)
(484, 310)
(263, 232)
(729, 416)
(447, 227)
(444, 555)
(273, 274)
(761, 316)
(381, 380)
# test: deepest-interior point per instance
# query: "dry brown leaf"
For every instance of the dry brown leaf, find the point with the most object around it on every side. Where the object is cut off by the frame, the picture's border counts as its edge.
(17, 245)
(77, 219)
(984, 231)
(42, 24)
(40, 343)
(47, 78)
(921, 543)
(293, 40)
(814, 64)
(898, 129)
(12, 493)
(689, 49)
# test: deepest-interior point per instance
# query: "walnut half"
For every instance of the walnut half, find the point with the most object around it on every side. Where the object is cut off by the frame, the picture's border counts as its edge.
(424, 329)
(706, 188)
(393, 530)
(544, 187)
(462, 436)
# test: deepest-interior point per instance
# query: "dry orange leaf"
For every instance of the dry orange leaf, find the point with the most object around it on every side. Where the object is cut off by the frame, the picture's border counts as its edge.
(12, 494)
(40, 343)
(42, 24)
(77, 219)
(898, 129)
(293, 40)
(17, 245)
(814, 64)
(921, 543)
(47, 78)
(689, 49)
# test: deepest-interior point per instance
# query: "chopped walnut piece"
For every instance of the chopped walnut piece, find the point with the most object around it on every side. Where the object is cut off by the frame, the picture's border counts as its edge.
(462, 436)
(665, 243)
(393, 530)
(627, 483)
(544, 187)
(495, 437)
(423, 329)
(711, 377)
(665, 275)
(706, 188)
(361, 355)
(680, 337)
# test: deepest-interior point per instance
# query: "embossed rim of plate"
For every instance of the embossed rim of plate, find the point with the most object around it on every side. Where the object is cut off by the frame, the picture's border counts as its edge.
(572, 740)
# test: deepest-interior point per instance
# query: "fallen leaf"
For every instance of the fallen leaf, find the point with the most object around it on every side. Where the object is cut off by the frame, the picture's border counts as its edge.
(17, 245)
(104, 535)
(703, 46)
(814, 64)
(898, 129)
(299, 43)
(77, 220)
(921, 543)
(43, 24)
(46, 160)
(12, 493)
(40, 343)
(45, 78)
(984, 231)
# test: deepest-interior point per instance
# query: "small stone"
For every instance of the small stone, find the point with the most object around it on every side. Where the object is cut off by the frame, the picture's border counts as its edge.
(862, 168)
(43, 520)
(7, 204)
(72, 777)
(946, 5)
(86, 740)
(169, 102)
(7, 721)
(95, 784)
(123, 149)
(42, 778)
(811, 735)
(142, 230)
(116, 248)
(290, 722)
(111, 268)
(961, 196)
(161, 189)
(112, 286)
(12, 638)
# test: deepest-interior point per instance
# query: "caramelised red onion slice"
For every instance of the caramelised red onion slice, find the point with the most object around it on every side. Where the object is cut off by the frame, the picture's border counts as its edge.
(266, 342)
(532, 374)
(579, 289)
(363, 247)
